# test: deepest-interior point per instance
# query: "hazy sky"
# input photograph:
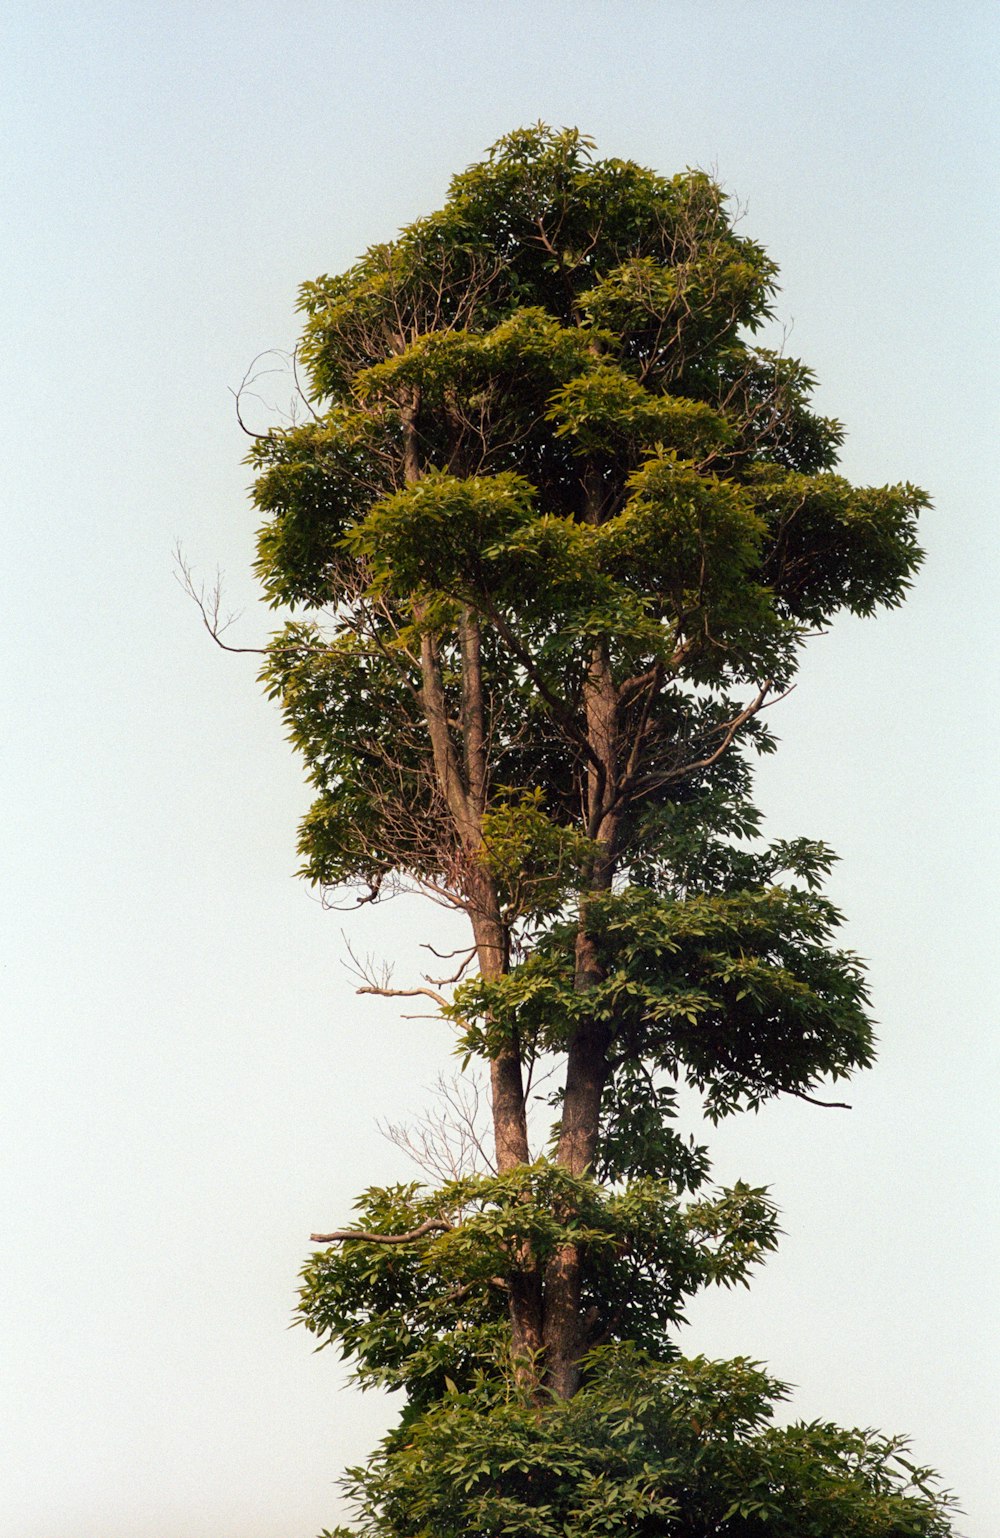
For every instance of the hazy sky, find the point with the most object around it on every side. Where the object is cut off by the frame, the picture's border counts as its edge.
(189, 1085)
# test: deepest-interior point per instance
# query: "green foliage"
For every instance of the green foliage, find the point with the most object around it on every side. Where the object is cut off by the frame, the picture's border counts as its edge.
(562, 529)
(684, 1449)
(739, 993)
(432, 1313)
(535, 862)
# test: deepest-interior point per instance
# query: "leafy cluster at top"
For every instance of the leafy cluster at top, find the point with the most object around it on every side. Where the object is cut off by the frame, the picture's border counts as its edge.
(564, 332)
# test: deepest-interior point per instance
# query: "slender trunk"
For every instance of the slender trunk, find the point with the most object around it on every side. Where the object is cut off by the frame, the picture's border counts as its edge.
(473, 709)
(586, 1067)
(464, 795)
(510, 1134)
(509, 1121)
(411, 448)
(566, 1329)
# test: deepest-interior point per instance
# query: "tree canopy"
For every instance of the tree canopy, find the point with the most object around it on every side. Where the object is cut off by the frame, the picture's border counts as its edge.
(553, 537)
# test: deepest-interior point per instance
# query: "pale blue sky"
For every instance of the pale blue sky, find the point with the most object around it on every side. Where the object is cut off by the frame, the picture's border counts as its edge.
(188, 1084)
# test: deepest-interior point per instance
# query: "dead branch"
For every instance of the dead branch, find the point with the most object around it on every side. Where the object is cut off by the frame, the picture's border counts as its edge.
(448, 1141)
(408, 993)
(208, 602)
(375, 979)
(244, 392)
(351, 1235)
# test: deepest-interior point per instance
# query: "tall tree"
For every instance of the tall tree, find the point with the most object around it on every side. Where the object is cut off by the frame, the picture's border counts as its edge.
(560, 529)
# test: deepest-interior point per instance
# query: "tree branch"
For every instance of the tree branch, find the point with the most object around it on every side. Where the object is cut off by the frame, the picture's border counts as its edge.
(208, 602)
(406, 993)
(827, 1105)
(349, 1235)
(728, 730)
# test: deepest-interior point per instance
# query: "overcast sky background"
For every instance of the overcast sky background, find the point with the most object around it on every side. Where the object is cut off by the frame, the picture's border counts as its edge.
(188, 1084)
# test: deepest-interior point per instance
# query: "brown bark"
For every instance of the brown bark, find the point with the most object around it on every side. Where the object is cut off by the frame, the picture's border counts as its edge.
(510, 1132)
(473, 709)
(587, 1061)
(411, 447)
(565, 1331)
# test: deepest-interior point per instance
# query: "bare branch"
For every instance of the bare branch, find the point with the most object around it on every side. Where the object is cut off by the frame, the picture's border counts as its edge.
(447, 1142)
(208, 602)
(407, 993)
(351, 1235)
(374, 978)
(827, 1105)
(244, 391)
(464, 950)
(303, 396)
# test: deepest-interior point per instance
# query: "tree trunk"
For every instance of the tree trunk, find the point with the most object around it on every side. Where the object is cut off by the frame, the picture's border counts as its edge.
(463, 785)
(587, 1056)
